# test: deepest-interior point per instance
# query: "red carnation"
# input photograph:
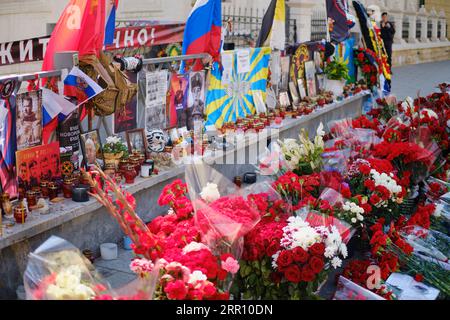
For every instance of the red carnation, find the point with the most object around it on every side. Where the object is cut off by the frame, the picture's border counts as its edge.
(176, 290)
(418, 277)
(284, 259)
(317, 249)
(307, 274)
(293, 274)
(369, 184)
(316, 264)
(375, 199)
(365, 169)
(300, 255)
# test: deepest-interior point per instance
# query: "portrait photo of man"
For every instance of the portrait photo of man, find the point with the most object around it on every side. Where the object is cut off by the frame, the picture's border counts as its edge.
(29, 120)
(35, 173)
(196, 105)
(92, 150)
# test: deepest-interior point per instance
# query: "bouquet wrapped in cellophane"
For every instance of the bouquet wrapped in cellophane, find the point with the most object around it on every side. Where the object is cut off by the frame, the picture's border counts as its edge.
(57, 270)
(224, 213)
(348, 290)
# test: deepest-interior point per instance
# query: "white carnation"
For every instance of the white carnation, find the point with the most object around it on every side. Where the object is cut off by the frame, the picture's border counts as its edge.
(194, 246)
(210, 193)
(197, 276)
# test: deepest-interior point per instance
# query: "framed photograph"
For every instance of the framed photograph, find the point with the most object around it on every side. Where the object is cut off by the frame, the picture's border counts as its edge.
(321, 81)
(29, 119)
(294, 93)
(310, 75)
(137, 141)
(196, 98)
(36, 164)
(318, 61)
(301, 88)
(284, 99)
(91, 146)
(285, 64)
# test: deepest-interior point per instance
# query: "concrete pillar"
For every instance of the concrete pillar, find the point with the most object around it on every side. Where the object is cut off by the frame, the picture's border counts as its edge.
(443, 29)
(397, 18)
(443, 25)
(434, 30)
(412, 28)
(424, 25)
(301, 11)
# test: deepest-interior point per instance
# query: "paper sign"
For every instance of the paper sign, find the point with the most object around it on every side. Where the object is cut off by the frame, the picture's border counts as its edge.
(259, 102)
(227, 63)
(284, 99)
(243, 61)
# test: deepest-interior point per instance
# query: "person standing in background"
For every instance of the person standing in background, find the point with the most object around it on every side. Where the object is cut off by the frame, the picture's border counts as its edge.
(387, 34)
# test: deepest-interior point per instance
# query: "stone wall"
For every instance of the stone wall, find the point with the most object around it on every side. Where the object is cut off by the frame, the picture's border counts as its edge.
(407, 56)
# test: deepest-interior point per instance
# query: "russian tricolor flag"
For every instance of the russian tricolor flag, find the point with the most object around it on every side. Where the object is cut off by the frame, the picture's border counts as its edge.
(77, 84)
(203, 31)
(55, 109)
(110, 28)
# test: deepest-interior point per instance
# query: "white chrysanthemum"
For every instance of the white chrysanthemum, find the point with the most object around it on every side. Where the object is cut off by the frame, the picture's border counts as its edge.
(336, 262)
(343, 250)
(274, 260)
(210, 193)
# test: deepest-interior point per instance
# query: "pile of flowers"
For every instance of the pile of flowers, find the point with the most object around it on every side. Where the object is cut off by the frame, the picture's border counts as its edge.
(257, 246)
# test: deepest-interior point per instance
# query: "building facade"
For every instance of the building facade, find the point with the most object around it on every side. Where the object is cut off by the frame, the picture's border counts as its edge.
(421, 24)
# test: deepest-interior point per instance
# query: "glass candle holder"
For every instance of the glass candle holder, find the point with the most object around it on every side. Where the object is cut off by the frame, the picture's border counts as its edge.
(53, 191)
(20, 214)
(6, 205)
(31, 199)
(44, 189)
(67, 188)
(130, 174)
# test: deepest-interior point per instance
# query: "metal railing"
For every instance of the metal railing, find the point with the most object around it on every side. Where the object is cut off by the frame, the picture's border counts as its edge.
(246, 26)
(319, 25)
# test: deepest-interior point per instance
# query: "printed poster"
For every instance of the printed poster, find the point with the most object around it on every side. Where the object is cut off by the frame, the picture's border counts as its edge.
(29, 119)
(127, 118)
(36, 164)
(155, 103)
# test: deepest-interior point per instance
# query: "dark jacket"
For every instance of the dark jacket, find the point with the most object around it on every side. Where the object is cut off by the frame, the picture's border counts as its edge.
(388, 32)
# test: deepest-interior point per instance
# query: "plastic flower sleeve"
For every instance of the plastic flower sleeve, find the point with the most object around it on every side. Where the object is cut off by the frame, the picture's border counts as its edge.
(332, 197)
(348, 290)
(336, 160)
(340, 128)
(223, 213)
(272, 161)
(58, 271)
(428, 243)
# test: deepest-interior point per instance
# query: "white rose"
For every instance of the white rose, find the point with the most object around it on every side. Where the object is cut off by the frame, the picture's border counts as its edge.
(210, 193)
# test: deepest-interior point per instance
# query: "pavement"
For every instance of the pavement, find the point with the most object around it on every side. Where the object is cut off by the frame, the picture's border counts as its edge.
(407, 80)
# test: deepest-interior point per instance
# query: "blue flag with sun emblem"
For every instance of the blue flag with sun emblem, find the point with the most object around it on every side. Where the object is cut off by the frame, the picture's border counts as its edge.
(232, 89)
